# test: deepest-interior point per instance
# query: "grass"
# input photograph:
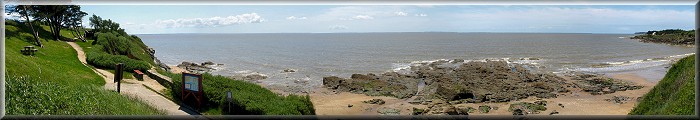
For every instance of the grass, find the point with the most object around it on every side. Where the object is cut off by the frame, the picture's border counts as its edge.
(674, 94)
(248, 98)
(54, 82)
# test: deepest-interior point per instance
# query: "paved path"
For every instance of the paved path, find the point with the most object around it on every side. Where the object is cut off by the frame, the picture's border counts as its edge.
(135, 88)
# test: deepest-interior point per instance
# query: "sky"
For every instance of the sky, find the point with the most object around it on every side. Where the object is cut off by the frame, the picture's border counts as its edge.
(150, 19)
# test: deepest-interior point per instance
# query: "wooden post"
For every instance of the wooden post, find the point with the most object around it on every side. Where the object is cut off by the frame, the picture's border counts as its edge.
(229, 98)
(118, 75)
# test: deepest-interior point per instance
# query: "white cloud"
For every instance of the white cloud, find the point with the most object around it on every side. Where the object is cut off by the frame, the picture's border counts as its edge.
(363, 17)
(421, 15)
(337, 27)
(12, 16)
(296, 18)
(361, 12)
(211, 22)
(574, 19)
(401, 13)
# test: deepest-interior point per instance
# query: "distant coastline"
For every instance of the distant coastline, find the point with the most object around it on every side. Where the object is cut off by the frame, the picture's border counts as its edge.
(669, 36)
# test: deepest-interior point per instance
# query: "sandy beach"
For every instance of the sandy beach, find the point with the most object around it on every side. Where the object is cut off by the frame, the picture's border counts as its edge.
(575, 103)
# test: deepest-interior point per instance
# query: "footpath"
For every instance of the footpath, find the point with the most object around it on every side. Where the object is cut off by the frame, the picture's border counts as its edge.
(138, 89)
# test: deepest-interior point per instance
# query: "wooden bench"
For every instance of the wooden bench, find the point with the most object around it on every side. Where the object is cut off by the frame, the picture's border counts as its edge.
(28, 50)
(138, 74)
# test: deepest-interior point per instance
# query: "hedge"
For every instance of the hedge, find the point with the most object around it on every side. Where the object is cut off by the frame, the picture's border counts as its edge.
(108, 61)
(248, 98)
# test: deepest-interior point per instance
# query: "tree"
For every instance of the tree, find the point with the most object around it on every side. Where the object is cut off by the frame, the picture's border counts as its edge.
(57, 16)
(95, 22)
(74, 20)
(25, 11)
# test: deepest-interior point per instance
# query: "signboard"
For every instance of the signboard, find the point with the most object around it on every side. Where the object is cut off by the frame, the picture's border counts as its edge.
(192, 86)
(192, 82)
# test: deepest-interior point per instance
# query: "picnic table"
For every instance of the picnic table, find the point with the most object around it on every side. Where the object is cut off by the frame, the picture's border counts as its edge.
(29, 50)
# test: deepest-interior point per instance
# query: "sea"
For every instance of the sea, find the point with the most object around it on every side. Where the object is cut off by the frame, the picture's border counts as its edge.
(317, 55)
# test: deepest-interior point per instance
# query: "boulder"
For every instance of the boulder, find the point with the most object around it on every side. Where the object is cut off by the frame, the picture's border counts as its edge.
(288, 70)
(374, 101)
(388, 111)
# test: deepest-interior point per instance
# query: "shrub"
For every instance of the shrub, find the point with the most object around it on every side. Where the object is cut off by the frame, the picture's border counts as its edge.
(674, 94)
(103, 60)
(248, 98)
(114, 43)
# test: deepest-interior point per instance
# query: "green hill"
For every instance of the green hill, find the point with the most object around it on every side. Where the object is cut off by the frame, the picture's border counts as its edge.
(54, 82)
(674, 94)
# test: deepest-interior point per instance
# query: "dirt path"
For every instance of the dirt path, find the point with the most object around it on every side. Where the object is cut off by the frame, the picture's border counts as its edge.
(137, 89)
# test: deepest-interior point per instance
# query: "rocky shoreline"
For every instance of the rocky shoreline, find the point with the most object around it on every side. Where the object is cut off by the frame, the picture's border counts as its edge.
(445, 83)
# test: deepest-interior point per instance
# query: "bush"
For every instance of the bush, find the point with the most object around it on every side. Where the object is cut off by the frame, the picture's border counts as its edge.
(674, 94)
(103, 60)
(114, 43)
(248, 98)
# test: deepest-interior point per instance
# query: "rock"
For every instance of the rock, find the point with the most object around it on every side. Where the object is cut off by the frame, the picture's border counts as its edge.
(417, 111)
(457, 60)
(561, 105)
(374, 101)
(542, 102)
(619, 99)
(194, 67)
(458, 82)
(288, 70)
(518, 112)
(250, 77)
(208, 63)
(599, 84)
(414, 102)
(525, 108)
(388, 111)
(484, 109)
(371, 84)
(554, 112)
(349, 105)
(255, 77)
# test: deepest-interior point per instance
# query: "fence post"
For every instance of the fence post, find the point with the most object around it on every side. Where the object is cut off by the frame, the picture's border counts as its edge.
(118, 76)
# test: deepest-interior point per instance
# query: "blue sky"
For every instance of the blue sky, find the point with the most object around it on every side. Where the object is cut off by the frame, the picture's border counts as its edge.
(149, 19)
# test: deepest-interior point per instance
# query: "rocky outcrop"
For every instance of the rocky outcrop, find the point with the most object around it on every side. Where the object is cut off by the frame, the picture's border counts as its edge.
(249, 77)
(469, 82)
(598, 84)
(197, 68)
(152, 52)
(374, 85)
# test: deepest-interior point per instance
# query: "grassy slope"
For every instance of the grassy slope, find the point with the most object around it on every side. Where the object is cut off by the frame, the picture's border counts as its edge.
(54, 82)
(674, 94)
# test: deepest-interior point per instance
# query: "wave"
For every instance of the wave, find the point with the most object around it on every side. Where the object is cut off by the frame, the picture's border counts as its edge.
(406, 67)
(618, 66)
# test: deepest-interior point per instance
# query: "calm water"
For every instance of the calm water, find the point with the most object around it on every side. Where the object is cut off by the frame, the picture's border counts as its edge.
(316, 55)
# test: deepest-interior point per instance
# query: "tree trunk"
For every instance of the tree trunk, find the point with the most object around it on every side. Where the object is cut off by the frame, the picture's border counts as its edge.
(81, 33)
(34, 33)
